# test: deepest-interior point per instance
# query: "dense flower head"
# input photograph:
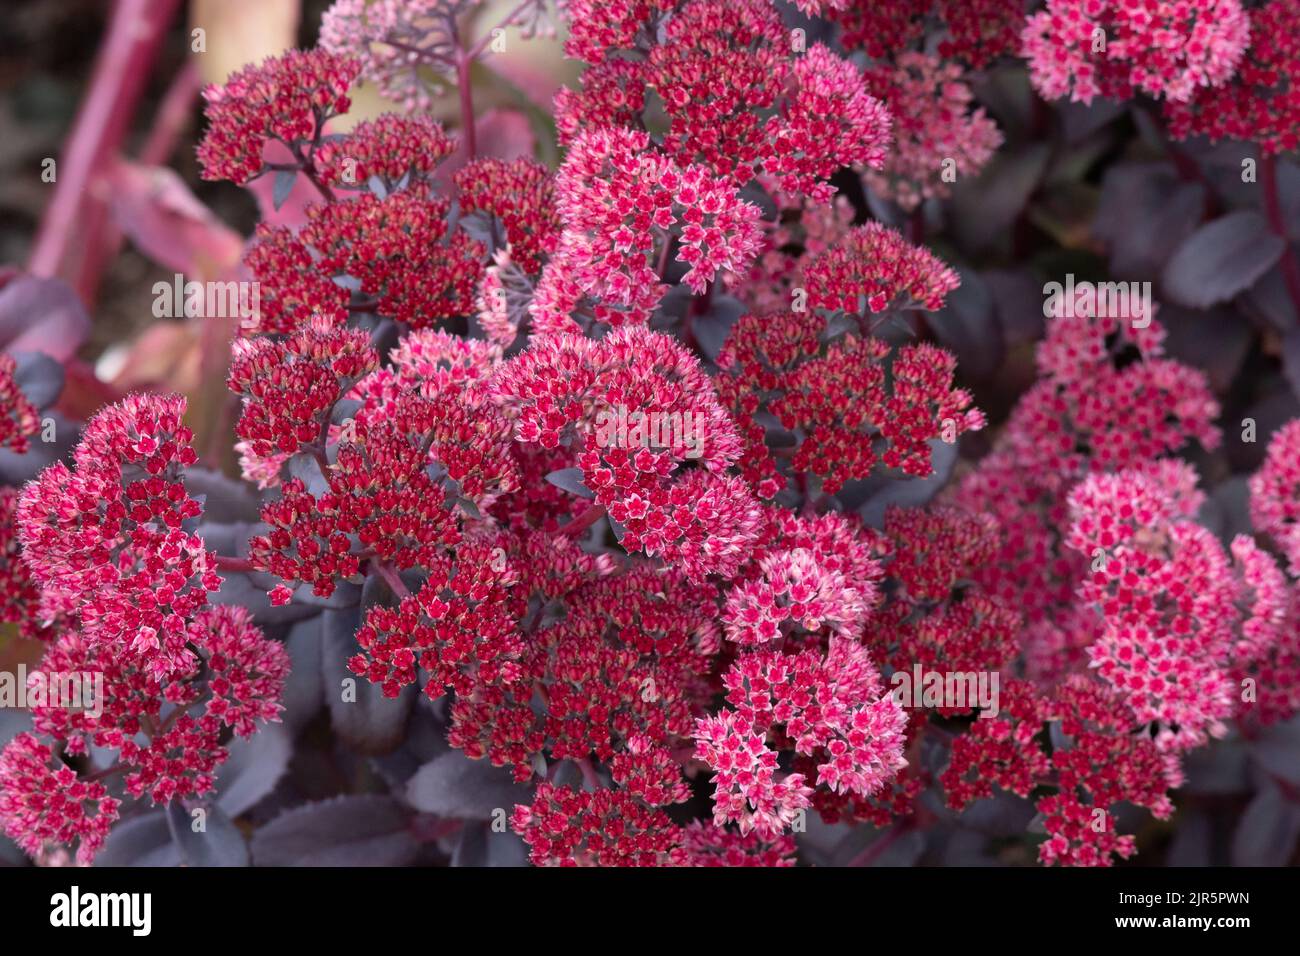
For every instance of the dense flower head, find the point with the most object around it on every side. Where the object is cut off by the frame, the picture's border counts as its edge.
(780, 364)
(618, 680)
(1275, 494)
(613, 95)
(107, 540)
(43, 802)
(567, 827)
(152, 671)
(829, 121)
(1262, 104)
(19, 595)
(20, 418)
(832, 707)
(741, 97)
(1002, 752)
(168, 733)
(977, 31)
(390, 147)
(597, 28)
(285, 99)
(1092, 410)
(1265, 661)
(638, 405)
(936, 131)
(874, 269)
(792, 590)
(620, 199)
(289, 387)
(717, 67)
(1165, 589)
(459, 628)
(378, 491)
(1168, 48)
(292, 292)
(399, 251)
(520, 194)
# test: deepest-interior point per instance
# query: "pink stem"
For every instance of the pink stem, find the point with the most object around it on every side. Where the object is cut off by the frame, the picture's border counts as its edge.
(469, 135)
(391, 578)
(227, 563)
(123, 65)
(878, 847)
(506, 21)
(173, 116)
(583, 521)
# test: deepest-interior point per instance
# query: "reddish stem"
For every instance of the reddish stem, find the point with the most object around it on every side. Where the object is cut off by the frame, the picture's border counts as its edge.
(134, 35)
(877, 848)
(468, 134)
(391, 578)
(583, 521)
(509, 19)
(226, 563)
(1277, 222)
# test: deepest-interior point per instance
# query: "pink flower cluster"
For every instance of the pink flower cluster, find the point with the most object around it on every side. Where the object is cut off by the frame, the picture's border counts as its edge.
(20, 418)
(938, 137)
(285, 100)
(1168, 49)
(127, 587)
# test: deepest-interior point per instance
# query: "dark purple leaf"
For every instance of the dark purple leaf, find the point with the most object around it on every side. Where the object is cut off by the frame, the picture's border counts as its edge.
(1145, 212)
(371, 723)
(345, 831)
(42, 315)
(967, 326)
(570, 480)
(453, 785)
(1266, 833)
(1220, 259)
(39, 378)
(218, 843)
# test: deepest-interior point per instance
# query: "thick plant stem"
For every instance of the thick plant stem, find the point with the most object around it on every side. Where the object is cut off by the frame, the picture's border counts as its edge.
(134, 35)
(469, 136)
(226, 563)
(583, 521)
(390, 577)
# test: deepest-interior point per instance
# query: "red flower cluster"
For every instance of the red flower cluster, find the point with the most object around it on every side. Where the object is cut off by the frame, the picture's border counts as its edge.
(163, 676)
(400, 253)
(742, 99)
(1169, 49)
(289, 387)
(520, 194)
(390, 148)
(286, 99)
(1262, 103)
(20, 418)
(976, 31)
(838, 395)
